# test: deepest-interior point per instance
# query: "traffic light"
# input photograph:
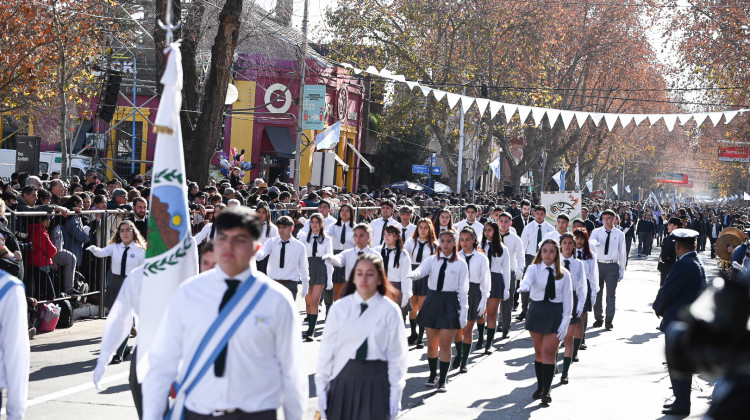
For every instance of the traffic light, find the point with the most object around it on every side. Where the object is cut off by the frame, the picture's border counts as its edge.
(110, 94)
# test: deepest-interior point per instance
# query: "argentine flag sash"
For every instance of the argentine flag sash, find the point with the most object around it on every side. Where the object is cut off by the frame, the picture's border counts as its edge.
(221, 330)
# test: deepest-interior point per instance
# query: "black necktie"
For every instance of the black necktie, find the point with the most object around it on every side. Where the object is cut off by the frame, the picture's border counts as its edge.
(441, 275)
(283, 253)
(538, 237)
(489, 253)
(606, 243)
(468, 266)
(343, 233)
(362, 350)
(403, 234)
(549, 291)
(567, 265)
(315, 246)
(124, 261)
(421, 250)
(360, 253)
(382, 232)
(386, 254)
(580, 255)
(221, 361)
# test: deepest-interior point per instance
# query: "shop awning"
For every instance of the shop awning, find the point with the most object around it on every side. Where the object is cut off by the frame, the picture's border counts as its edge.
(282, 141)
(362, 158)
(343, 164)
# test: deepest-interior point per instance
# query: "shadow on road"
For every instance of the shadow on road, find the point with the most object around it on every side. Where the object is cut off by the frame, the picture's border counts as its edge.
(57, 371)
(513, 405)
(40, 347)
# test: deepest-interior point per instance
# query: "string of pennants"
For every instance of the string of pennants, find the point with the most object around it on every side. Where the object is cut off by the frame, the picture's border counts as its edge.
(537, 113)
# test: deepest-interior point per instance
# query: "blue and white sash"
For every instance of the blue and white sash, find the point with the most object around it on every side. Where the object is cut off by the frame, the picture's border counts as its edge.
(12, 281)
(216, 338)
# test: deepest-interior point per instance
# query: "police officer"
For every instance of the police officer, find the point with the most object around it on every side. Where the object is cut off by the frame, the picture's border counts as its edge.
(683, 285)
(667, 257)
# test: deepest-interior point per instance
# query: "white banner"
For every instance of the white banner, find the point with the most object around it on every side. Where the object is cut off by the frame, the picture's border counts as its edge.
(562, 202)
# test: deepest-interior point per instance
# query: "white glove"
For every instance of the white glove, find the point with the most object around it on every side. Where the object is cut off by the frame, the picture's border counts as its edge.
(329, 284)
(563, 330)
(395, 409)
(405, 300)
(619, 279)
(578, 313)
(322, 404)
(519, 274)
(99, 373)
(463, 321)
(304, 289)
(506, 294)
(482, 306)
(86, 230)
(90, 248)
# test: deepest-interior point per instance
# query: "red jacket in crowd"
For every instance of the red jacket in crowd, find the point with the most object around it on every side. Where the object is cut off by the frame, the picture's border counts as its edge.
(44, 249)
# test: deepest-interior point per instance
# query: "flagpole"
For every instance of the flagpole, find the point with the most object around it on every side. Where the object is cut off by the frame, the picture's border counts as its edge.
(301, 95)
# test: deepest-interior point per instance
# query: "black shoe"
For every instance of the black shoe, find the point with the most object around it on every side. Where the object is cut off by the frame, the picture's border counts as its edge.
(609, 326)
(456, 363)
(432, 381)
(564, 379)
(521, 317)
(575, 359)
(598, 323)
(480, 343)
(307, 338)
(441, 388)
(668, 405)
(463, 370)
(419, 345)
(32, 332)
(499, 328)
(671, 411)
(546, 398)
(582, 347)
(488, 351)
(412, 339)
(537, 394)
(505, 335)
(115, 360)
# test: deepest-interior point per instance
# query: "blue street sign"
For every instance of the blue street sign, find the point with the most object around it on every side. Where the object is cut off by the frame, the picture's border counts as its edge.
(424, 169)
(436, 170)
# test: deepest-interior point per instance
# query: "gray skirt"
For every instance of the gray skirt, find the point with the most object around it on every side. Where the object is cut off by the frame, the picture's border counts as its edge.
(318, 272)
(475, 296)
(574, 319)
(440, 311)
(360, 391)
(498, 285)
(339, 273)
(397, 285)
(113, 289)
(419, 286)
(543, 317)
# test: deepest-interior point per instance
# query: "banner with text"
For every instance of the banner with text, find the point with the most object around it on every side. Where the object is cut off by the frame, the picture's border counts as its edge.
(562, 202)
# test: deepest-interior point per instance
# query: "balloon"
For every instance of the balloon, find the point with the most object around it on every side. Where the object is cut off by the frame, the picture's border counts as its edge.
(240, 158)
(246, 166)
(224, 171)
(234, 151)
(224, 164)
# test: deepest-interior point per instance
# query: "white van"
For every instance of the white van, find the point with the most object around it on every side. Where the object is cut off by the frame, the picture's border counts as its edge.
(48, 162)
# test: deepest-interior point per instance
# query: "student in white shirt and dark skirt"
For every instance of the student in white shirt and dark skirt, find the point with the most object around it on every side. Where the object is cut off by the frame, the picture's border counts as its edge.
(446, 307)
(548, 316)
(499, 260)
(578, 282)
(478, 268)
(443, 221)
(420, 246)
(362, 362)
(321, 274)
(342, 235)
(268, 230)
(397, 266)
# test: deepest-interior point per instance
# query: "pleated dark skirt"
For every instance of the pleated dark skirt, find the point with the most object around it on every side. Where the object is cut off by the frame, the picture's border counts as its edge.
(475, 296)
(262, 265)
(113, 289)
(543, 317)
(318, 273)
(587, 304)
(574, 319)
(498, 285)
(360, 391)
(440, 311)
(397, 285)
(339, 273)
(419, 287)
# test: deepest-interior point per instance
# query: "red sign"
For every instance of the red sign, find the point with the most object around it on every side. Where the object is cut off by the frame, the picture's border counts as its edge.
(734, 154)
(671, 178)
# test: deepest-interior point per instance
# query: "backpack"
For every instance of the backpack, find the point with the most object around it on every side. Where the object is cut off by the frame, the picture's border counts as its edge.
(66, 314)
(47, 316)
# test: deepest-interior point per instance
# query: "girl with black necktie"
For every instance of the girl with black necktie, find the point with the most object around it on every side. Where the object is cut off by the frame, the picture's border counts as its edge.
(420, 246)
(443, 221)
(397, 266)
(591, 268)
(548, 316)
(446, 306)
(342, 234)
(479, 291)
(499, 259)
(321, 274)
(578, 282)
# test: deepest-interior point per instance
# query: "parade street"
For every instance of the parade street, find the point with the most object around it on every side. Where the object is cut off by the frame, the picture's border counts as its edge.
(619, 376)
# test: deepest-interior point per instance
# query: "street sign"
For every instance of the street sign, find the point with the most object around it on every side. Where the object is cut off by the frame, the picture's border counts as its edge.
(314, 105)
(432, 159)
(424, 169)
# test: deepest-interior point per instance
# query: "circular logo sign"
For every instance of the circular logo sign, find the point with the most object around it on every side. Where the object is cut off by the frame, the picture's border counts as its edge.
(343, 102)
(278, 98)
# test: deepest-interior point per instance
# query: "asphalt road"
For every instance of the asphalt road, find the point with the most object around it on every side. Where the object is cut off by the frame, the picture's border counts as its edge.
(620, 376)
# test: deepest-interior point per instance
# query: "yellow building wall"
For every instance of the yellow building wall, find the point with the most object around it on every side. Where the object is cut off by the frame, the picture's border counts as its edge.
(305, 170)
(342, 149)
(241, 136)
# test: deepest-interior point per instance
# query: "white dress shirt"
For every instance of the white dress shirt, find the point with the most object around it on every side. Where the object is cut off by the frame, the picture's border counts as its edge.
(412, 247)
(265, 365)
(328, 222)
(386, 341)
(334, 231)
(577, 279)
(517, 255)
(398, 274)
(135, 257)
(553, 235)
(14, 347)
(205, 234)
(535, 282)
(273, 231)
(324, 248)
(591, 271)
(410, 228)
(377, 229)
(348, 258)
(529, 235)
(500, 264)
(478, 269)
(616, 246)
(295, 268)
(456, 279)
(478, 228)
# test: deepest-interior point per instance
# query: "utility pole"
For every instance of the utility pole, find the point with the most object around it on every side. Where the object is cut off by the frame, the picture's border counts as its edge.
(460, 146)
(300, 116)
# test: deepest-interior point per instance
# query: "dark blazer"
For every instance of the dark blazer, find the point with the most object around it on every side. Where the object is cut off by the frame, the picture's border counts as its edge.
(710, 227)
(517, 223)
(685, 281)
(668, 255)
